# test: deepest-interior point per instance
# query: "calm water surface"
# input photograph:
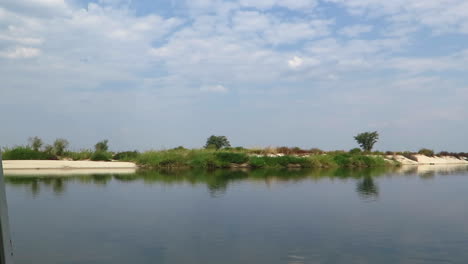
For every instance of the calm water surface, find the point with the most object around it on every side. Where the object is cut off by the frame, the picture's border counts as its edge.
(342, 216)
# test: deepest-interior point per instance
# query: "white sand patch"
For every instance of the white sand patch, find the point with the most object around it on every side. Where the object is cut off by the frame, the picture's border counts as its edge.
(64, 164)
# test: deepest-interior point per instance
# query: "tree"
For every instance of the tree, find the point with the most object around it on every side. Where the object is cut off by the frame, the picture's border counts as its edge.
(217, 142)
(35, 143)
(60, 146)
(367, 140)
(102, 146)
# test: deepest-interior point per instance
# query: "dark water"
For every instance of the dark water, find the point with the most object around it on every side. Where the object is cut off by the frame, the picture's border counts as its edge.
(341, 216)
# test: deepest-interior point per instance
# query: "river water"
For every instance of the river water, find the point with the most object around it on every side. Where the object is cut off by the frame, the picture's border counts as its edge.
(405, 215)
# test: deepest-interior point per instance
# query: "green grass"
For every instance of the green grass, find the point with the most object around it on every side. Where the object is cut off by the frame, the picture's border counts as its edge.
(101, 156)
(202, 158)
(79, 155)
(126, 155)
(210, 159)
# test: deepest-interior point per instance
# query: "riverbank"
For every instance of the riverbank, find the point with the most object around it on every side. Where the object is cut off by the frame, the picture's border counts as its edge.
(178, 159)
(65, 165)
(418, 159)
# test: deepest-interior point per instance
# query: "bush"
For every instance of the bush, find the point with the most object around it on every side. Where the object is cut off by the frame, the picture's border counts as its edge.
(257, 162)
(203, 159)
(232, 157)
(101, 156)
(409, 155)
(126, 155)
(348, 160)
(316, 151)
(80, 155)
(60, 146)
(426, 152)
(102, 146)
(166, 158)
(355, 151)
(25, 153)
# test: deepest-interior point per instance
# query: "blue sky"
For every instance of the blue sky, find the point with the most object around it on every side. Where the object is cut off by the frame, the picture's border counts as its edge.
(309, 73)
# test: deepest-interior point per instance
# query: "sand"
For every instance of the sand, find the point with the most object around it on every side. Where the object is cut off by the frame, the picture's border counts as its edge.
(424, 160)
(64, 164)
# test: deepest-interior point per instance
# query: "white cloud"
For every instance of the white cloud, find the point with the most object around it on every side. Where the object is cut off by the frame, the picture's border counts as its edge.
(20, 53)
(22, 40)
(295, 62)
(355, 30)
(107, 50)
(440, 15)
(214, 89)
(290, 4)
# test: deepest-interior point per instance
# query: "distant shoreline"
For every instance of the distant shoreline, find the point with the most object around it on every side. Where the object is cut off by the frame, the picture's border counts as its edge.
(119, 166)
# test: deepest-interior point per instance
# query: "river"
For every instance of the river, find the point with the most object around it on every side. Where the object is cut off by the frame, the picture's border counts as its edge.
(404, 215)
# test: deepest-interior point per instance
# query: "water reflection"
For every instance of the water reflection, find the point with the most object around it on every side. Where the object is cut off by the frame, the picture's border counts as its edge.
(239, 216)
(367, 188)
(218, 181)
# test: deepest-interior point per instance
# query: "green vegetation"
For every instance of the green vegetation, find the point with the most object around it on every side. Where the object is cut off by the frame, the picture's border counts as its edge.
(367, 140)
(24, 153)
(84, 154)
(218, 154)
(217, 142)
(206, 158)
(101, 156)
(126, 155)
(60, 146)
(426, 152)
(35, 143)
(102, 146)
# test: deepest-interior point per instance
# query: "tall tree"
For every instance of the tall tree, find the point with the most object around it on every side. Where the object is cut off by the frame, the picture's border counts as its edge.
(35, 143)
(60, 146)
(367, 140)
(217, 142)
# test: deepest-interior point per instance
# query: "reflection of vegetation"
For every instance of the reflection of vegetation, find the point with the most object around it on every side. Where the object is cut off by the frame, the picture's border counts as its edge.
(367, 188)
(218, 181)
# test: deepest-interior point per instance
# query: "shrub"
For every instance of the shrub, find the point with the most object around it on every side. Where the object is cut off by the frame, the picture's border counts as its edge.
(316, 151)
(126, 155)
(60, 146)
(80, 155)
(101, 156)
(35, 143)
(232, 157)
(167, 158)
(325, 161)
(102, 146)
(409, 155)
(348, 160)
(202, 159)
(426, 152)
(355, 151)
(257, 162)
(25, 153)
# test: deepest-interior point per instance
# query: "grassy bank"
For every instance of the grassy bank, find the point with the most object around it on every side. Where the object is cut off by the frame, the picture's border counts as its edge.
(211, 159)
(177, 158)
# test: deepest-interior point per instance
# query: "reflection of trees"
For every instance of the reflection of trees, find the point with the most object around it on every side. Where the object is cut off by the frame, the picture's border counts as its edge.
(101, 179)
(367, 188)
(35, 188)
(58, 187)
(216, 181)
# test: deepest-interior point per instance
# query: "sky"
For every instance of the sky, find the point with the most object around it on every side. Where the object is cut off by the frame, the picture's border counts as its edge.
(154, 74)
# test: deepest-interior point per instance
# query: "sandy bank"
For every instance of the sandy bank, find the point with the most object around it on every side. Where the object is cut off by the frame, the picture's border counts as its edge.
(425, 160)
(64, 165)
